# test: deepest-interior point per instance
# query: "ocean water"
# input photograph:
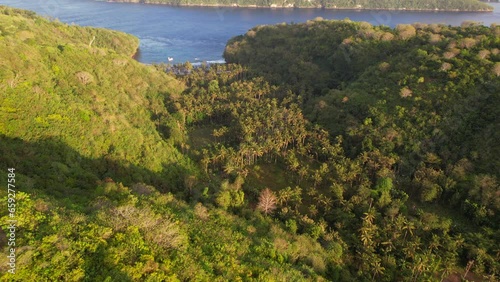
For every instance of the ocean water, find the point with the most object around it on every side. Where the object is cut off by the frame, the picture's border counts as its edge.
(200, 33)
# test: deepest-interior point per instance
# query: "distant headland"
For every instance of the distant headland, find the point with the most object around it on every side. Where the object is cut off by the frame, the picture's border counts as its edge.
(418, 5)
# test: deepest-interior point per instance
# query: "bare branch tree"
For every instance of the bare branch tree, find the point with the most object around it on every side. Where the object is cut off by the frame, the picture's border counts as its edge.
(84, 77)
(267, 201)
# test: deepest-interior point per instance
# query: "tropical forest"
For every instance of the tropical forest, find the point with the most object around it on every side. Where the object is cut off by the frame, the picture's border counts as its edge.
(329, 150)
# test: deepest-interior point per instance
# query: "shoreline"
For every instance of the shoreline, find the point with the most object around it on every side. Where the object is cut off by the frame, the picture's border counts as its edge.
(195, 63)
(294, 7)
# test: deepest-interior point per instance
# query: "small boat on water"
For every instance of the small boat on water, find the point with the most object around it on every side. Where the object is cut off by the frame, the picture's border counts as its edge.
(170, 59)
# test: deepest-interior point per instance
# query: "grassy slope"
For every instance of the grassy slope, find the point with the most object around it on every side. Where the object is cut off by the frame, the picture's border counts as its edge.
(93, 98)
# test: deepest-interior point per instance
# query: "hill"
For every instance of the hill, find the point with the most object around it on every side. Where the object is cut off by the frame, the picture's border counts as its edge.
(96, 163)
(419, 5)
(332, 151)
(415, 108)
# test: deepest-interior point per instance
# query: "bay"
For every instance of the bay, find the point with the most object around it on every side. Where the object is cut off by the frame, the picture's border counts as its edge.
(200, 33)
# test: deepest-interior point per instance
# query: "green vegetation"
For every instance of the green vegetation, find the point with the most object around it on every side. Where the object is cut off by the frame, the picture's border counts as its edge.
(326, 151)
(427, 5)
(412, 116)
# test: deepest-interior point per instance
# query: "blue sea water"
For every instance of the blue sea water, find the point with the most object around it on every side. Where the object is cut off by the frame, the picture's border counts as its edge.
(186, 33)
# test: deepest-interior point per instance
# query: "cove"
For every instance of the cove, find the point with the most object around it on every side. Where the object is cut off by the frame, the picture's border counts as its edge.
(200, 33)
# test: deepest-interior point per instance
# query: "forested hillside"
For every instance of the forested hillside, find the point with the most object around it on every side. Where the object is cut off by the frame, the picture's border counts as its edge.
(96, 165)
(331, 151)
(415, 111)
(425, 5)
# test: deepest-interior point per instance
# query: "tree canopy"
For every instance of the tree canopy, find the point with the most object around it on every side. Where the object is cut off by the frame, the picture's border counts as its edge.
(323, 151)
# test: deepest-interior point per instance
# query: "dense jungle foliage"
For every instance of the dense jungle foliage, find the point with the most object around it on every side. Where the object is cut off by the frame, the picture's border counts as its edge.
(449, 5)
(332, 151)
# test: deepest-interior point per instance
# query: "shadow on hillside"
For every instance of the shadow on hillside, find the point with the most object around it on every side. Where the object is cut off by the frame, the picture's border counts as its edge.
(51, 168)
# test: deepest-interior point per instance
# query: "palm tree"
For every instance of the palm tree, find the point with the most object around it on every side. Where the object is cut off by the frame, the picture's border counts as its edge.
(408, 227)
(284, 196)
(369, 216)
(204, 163)
(366, 236)
(434, 244)
(412, 248)
(229, 167)
(325, 202)
(389, 246)
(303, 172)
(317, 178)
(377, 269)
(293, 162)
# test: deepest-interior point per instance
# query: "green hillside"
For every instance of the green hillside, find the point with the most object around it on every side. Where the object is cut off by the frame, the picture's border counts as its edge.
(326, 151)
(98, 157)
(80, 87)
(416, 108)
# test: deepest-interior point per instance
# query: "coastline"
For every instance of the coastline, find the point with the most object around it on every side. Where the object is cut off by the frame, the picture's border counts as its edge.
(290, 6)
